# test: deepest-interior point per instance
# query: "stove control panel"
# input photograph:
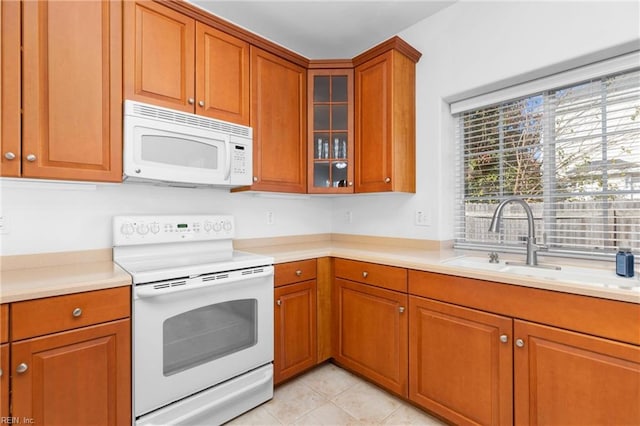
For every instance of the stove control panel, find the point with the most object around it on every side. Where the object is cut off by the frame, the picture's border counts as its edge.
(128, 230)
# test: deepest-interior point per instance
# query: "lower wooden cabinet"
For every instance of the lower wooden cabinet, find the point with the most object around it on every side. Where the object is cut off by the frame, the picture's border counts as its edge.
(371, 333)
(460, 362)
(70, 360)
(295, 329)
(4, 380)
(563, 377)
(77, 377)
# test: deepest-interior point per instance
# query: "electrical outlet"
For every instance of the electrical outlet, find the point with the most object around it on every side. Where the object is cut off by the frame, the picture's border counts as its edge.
(422, 218)
(348, 216)
(3, 225)
(270, 217)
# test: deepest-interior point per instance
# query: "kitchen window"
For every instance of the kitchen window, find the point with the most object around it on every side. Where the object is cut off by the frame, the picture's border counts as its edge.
(569, 145)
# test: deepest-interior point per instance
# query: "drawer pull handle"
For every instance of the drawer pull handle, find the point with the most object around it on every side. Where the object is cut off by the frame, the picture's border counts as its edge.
(520, 343)
(21, 368)
(298, 273)
(365, 274)
(504, 338)
(76, 312)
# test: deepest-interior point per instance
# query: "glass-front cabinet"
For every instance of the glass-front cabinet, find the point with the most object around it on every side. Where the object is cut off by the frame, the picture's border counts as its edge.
(330, 131)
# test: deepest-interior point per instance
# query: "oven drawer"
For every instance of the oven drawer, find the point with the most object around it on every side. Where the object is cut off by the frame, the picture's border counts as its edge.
(294, 272)
(66, 312)
(389, 277)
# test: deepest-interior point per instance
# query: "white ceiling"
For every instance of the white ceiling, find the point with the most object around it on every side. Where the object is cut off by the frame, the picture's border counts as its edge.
(324, 29)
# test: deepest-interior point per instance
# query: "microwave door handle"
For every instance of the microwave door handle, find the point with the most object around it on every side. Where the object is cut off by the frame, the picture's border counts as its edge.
(227, 147)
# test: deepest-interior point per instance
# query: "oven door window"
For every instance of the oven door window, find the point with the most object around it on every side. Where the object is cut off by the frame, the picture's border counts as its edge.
(202, 335)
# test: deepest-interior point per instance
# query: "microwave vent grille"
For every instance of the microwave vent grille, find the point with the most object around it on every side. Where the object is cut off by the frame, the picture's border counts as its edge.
(147, 111)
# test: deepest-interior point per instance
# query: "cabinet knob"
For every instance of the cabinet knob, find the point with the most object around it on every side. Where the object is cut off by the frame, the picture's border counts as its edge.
(504, 338)
(279, 302)
(350, 183)
(76, 312)
(298, 273)
(255, 178)
(520, 343)
(387, 180)
(0, 372)
(191, 101)
(31, 158)
(21, 368)
(401, 309)
(365, 274)
(9, 155)
(201, 103)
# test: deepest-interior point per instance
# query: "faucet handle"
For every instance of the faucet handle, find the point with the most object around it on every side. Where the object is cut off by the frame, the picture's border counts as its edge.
(493, 257)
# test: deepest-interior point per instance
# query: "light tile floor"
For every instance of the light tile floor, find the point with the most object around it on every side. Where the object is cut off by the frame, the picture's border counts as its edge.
(329, 395)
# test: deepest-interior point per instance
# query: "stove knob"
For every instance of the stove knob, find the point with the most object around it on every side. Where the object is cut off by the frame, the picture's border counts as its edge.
(207, 226)
(143, 229)
(127, 229)
(217, 226)
(155, 227)
(228, 226)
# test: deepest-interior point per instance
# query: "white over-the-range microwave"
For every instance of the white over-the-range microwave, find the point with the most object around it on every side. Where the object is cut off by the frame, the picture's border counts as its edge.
(171, 147)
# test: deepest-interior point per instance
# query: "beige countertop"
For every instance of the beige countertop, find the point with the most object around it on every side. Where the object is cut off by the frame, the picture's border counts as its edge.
(72, 272)
(43, 275)
(430, 259)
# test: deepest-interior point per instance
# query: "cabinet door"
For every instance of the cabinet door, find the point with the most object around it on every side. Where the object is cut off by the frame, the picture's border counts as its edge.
(371, 336)
(385, 124)
(4, 381)
(278, 117)
(77, 377)
(222, 75)
(10, 88)
(159, 56)
(330, 131)
(72, 90)
(564, 378)
(295, 329)
(460, 363)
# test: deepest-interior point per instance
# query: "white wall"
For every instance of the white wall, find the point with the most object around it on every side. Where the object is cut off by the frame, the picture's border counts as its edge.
(474, 47)
(467, 48)
(50, 216)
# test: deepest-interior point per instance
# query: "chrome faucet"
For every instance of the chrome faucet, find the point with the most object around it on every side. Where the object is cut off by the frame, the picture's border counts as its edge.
(532, 246)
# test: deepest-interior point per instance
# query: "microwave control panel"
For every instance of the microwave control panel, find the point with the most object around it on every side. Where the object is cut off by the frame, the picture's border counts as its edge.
(241, 165)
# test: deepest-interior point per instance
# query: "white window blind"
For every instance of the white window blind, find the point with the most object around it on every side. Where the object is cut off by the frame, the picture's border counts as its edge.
(572, 152)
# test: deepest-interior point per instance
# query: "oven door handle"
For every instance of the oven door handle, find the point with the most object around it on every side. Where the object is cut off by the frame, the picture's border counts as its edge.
(149, 290)
(268, 375)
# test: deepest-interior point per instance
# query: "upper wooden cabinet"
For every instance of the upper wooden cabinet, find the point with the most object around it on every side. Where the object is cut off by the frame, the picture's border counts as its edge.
(330, 131)
(385, 118)
(278, 118)
(175, 62)
(10, 144)
(71, 91)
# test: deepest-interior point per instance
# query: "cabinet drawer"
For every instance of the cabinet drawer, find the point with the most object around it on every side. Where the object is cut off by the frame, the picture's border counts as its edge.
(293, 272)
(389, 277)
(49, 315)
(4, 323)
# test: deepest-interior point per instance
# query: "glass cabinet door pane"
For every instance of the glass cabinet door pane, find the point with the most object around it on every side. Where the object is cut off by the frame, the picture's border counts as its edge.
(339, 117)
(339, 89)
(321, 147)
(339, 174)
(339, 148)
(321, 117)
(321, 175)
(321, 89)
